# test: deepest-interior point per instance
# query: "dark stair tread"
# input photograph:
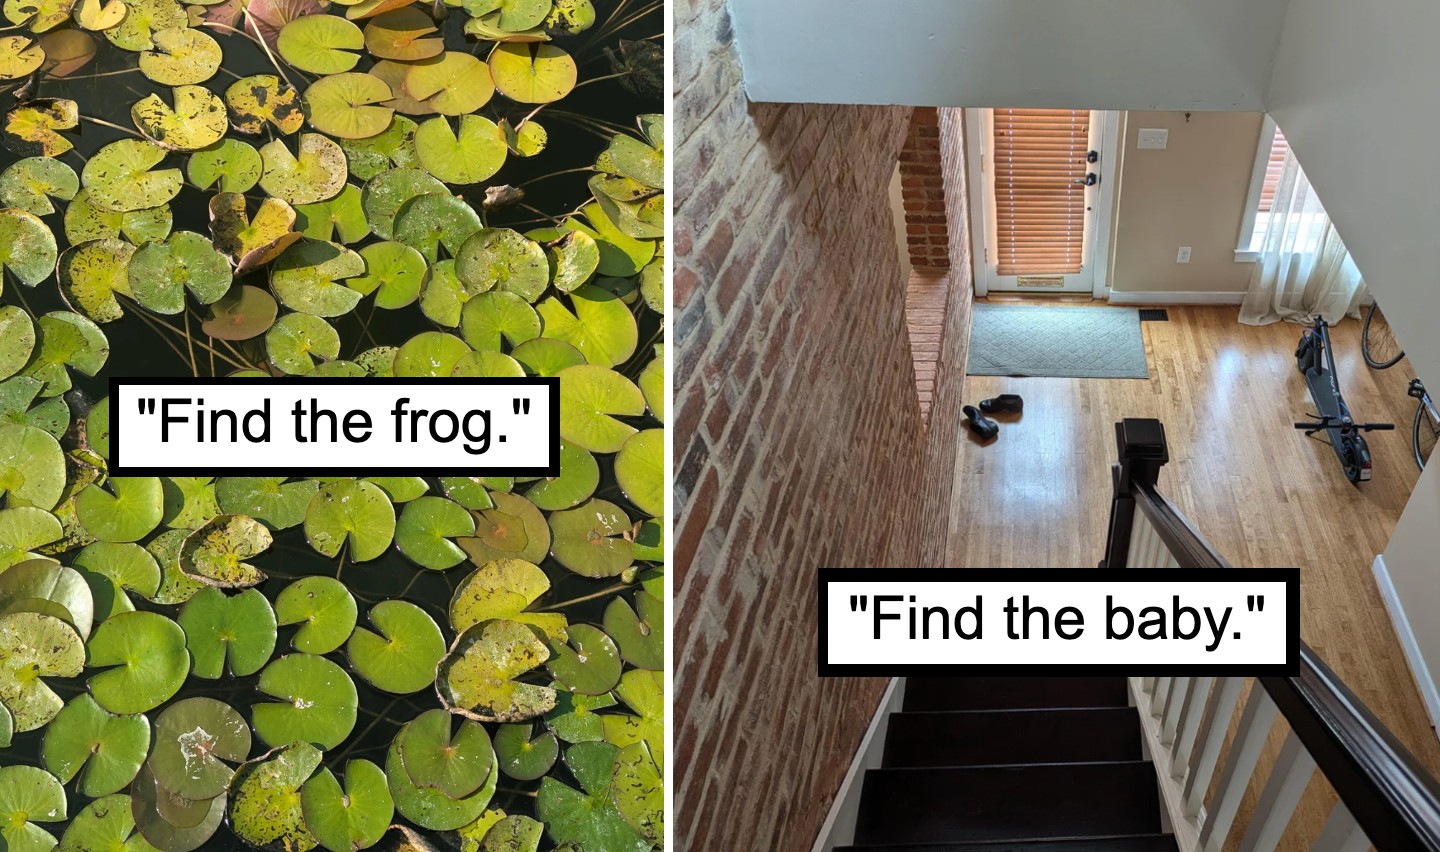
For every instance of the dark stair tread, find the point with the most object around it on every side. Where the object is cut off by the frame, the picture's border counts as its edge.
(1013, 693)
(988, 737)
(1117, 843)
(999, 803)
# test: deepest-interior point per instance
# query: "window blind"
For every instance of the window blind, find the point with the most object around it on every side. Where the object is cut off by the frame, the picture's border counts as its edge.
(1278, 149)
(1040, 167)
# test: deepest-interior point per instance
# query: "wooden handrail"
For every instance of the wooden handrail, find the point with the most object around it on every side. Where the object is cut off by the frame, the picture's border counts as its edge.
(1184, 542)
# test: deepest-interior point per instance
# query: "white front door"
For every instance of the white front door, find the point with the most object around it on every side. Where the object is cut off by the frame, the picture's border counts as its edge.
(1040, 198)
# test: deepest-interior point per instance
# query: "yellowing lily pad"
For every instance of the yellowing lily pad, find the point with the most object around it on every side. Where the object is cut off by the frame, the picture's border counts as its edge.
(229, 165)
(504, 260)
(353, 512)
(34, 646)
(215, 553)
(119, 176)
(306, 278)
(527, 140)
(505, 588)
(402, 657)
(20, 56)
(105, 823)
(143, 658)
(590, 540)
(324, 609)
(66, 340)
(478, 678)
(140, 21)
(27, 247)
(99, 15)
(473, 154)
(91, 274)
(317, 702)
(251, 242)
(320, 44)
(404, 35)
(638, 791)
(532, 73)
(452, 83)
(317, 174)
(262, 99)
(297, 341)
(349, 106)
(102, 749)
(160, 273)
(265, 809)
(32, 129)
(37, 16)
(85, 221)
(181, 56)
(196, 120)
(29, 184)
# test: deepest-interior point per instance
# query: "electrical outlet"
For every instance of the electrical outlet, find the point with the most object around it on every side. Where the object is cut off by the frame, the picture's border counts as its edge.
(1153, 139)
(1183, 256)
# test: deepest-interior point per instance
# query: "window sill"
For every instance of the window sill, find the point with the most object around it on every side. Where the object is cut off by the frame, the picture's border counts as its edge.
(1246, 256)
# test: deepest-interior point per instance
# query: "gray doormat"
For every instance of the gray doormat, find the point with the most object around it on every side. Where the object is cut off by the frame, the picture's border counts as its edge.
(1063, 341)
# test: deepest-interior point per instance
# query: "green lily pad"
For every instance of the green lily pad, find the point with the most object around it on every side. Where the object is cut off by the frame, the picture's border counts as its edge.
(521, 757)
(352, 511)
(29, 184)
(430, 354)
(85, 221)
(512, 529)
(111, 568)
(478, 678)
(638, 791)
(119, 177)
(34, 646)
(144, 660)
(92, 273)
(587, 817)
(316, 174)
(194, 737)
(528, 140)
(320, 44)
(392, 271)
(505, 588)
(472, 492)
(160, 272)
(591, 398)
(342, 218)
(532, 73)
(401, 489)
(425, 528)
(471, 154)
(230, 165)
(488, 364)
(546, 356)
(66, 340)
(307, 278)
(317, 702)
(103, 749)
(442, 295)
(643, 692)
(215, 553)
(641, 636)
(29, 796)
(454, 764)
(240, 629)
(105, 823)
(189, 501)
(32, 466)
(265, 799)
(176, 586)
(652, 383)
(272, 500)
(20, 404)
(487, 319)
(31, 584)
(196, 120)
(17, 339)
(260, 100)
(513, 833)
(427, 222)
(135, 508)
(296, 340)
(23, 529)
(378, 361)
(324, 609)
(590, 540)
(652, 285)
(148, 798)
(574, 719)
(388, 191)
(453, 83)
(349, 105)
(589, 664)
(601, 327)
(579, 476)
(621, 255)
(502, 259)
(402, 657)
(640, 470)
(391, 148)
(356, 817)
(430, 808)
(574, 256)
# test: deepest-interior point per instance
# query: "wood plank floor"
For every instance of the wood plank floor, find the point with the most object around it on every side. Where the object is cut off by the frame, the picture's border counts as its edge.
(1263, 494)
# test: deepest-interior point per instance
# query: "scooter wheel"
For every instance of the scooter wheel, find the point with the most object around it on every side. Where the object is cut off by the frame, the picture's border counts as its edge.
(1351, 460)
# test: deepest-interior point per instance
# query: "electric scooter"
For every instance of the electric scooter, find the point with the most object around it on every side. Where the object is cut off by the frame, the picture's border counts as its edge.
(1316, 360)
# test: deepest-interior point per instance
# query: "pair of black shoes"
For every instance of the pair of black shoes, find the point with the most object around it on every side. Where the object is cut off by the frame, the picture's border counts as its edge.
(984, 428)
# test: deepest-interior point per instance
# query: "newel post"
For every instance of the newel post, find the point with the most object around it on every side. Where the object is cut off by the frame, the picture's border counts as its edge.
(1141, 449)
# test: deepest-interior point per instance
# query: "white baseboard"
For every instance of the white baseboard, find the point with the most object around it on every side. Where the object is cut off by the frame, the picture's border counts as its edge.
(1423, 678)
(1175, 297)
(839, 826)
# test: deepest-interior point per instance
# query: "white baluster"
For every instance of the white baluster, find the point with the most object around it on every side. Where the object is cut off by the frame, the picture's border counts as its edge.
(1170, 716)
(1282, 793)
(1211, 737)
(1190, 717)
(1250, 736)
(1162, 692)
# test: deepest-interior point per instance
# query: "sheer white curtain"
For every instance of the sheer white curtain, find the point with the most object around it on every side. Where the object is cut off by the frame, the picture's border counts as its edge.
(1303, 271)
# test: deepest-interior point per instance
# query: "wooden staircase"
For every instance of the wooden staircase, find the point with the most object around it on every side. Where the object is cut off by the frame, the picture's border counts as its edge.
(1012, 763)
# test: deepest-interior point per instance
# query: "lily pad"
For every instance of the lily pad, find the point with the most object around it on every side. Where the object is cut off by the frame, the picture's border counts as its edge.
(251, 242)
(388, 191)
(404, 35)
(189, 501)
(27, 247)
(454, 764)
(430, 354)
(401, 489)
(324, 609)
(478, 678)
(110, 568)
(532, 73)
(589, 664)
(86, 221)
(621, 256)
(546, 356)
(601, 326)
(524, 758)
(320, 44)
(260, 100)
(160, 273)
(505, 588)
(129, 514)
(349, 105)
(579, 476)
(316, 174)
(453, 83)
(428, 222)
(393, 272)
(42, 585)
(574, 719)
(32, 466)
(488, 364)
(240, 629)
(652, 383)
(144, 660)
(23, 529)
(640, 470)
(91, 274)
(354, 512)
(194, 737)
(490, 317)
(119, 177)
(470, 155)
(29, 796)
(393, 147)
(32, 129)
(148, 797)
(102, 749)
(306, 278)
(105, 823)
(241, 314)
(181, 56)
(425, 530)
(356, 817)
(402, 657)
(29, 184)
(638, 791)
(176, 586)
(502, 259)
(34, 646)
(20, 56)
(317, 702)
(587, 817)
(590, 540)
(643, 692)
(197, 118)
(265, 800)
(512, 529)
(100, 15)
(229, 165)
(141, 19)
(641, 636)
(296, 341)
(527, 140)
(430, 808)
(341, 219)
(591, 398)
(574, 257)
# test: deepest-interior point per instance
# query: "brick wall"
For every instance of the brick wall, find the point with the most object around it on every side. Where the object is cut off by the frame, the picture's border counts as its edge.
(922, 179)
(798, 436)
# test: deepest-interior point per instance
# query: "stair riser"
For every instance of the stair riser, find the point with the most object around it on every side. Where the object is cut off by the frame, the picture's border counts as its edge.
(1013, 693)
(1032, 736)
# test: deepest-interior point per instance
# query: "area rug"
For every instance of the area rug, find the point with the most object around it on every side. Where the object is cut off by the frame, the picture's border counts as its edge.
(1063, 341)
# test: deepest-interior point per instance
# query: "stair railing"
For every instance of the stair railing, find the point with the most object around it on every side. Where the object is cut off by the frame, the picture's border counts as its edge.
(1196, 727)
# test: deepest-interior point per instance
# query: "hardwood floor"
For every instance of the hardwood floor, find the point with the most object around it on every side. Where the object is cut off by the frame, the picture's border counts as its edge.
(1263, 493)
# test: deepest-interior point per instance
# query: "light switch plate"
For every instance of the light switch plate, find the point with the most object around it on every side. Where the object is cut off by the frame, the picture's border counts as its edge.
(1153, 138)
(1183, 255)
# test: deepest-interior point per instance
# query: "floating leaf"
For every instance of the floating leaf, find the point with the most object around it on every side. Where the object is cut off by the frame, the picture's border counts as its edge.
(241, 314)
(574, 719)
(452, 83)
(643, 692)
(388, 191)
(214, 554)
(591, 397)
(652, 383)
(392, 147)
(641, 637)
(32, 128)
(579, 476)
(135, 508)
(29, 796)
(193, 739)
(181, 56)
(640, 470)
(601, 327)
(502, 259)
(401, 489)
(92, 273)
(34, 646)
(66, 340)
(277, 503)
(505, 589)
(354, 512)
(20, 56)
(32, 466)
(84, 221)
(454, 764)
(429, 354)
(317, 174)
(105, 823)
(260, 100)
(240, 629)
(195, 121)
(147, 797)
(103, 749)
(27, 247)
(317, 702)
(393, 272)
(324, 609)
(621, 256)
(29, 184)
(144, 660)
(638, 791)
(442, 295)
(320, 44)
(229, 165)
(523, 758)
(342, 218)
(141, 20)
(425, 528)
(112, 567)
(473, 154)
(488, 364)
(402, 657)
(160, 273)
(430, 808)
(45, 586)
(296, 340)
(527, 140)
(477, 679)
(589, 664)
(349, 819)
(402, 34)
(119, 176)
(428, 222)
(590, 540)
(25, 528)
(306, 278)
(587, 817)
(98, 15)
(37, 15)
(532, 73)
(345, 105)
(569, 17)
(251, 242)
(265, 808)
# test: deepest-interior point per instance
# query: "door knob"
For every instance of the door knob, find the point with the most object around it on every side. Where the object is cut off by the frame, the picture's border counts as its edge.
(1090, 179)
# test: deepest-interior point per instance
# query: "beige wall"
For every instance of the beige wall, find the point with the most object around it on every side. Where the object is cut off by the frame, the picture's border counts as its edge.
(1192, 193)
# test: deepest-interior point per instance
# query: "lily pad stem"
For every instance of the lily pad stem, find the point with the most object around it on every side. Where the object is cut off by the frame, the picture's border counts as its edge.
(368, 728)
(260, 40)
(556, 174)
(618, 587)
(112, 125)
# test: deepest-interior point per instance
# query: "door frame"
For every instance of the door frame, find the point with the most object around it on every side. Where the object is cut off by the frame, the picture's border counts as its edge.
(982, 203)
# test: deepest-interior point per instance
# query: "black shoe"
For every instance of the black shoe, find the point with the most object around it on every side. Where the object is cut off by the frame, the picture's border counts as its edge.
(983, 427)
(1005, 403)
